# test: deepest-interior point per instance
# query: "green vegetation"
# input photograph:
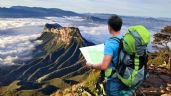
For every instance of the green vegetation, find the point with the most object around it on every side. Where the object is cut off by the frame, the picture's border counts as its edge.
(13, 90)
(85, 88)
(162, 56)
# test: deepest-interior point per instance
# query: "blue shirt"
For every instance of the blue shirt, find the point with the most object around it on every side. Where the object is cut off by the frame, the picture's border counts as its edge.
(113, 85)
(111, 49)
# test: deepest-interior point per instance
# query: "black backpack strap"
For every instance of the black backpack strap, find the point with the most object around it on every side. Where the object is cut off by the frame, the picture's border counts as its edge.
(119, 49)
(145, 66)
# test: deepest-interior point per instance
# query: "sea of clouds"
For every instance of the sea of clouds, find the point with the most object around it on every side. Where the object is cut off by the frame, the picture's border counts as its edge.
(17, 35)
(17, 38)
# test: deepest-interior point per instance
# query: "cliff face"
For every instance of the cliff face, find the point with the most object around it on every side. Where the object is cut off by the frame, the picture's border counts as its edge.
(64, 35)
(57, 63)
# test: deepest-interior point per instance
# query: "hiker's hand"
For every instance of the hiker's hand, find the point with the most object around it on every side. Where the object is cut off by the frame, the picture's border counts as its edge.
(89, 65)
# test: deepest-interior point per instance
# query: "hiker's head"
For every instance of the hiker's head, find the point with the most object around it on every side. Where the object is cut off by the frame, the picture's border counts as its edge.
(114, 23)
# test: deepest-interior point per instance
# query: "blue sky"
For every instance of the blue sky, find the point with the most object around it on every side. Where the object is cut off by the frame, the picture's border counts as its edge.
(149, 8)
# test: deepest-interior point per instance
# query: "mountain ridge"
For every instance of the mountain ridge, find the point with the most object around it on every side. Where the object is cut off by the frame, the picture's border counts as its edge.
(23, 11)
(58, 59)
(39, 12)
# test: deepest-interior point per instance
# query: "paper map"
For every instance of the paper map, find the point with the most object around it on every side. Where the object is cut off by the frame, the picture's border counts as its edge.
(93, 54)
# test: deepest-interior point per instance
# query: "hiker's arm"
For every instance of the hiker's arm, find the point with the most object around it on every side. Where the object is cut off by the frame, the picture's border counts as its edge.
(104, 65)
(108, 53)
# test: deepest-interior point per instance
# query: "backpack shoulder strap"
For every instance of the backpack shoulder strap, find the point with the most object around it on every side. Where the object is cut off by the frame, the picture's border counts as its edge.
(119, 49)
(117, 39)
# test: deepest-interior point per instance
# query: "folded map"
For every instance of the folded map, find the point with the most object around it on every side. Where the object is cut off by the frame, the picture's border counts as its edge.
(93, 54)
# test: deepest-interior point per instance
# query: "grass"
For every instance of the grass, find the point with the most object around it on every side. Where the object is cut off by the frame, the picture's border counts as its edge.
(75, 90)
(12, 90)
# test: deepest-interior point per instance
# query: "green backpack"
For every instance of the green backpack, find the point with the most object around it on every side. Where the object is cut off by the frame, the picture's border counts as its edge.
(132, 57)
(132, 66)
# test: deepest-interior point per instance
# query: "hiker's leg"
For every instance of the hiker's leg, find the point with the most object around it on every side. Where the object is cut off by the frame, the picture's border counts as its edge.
(113, 87)
(108, 85)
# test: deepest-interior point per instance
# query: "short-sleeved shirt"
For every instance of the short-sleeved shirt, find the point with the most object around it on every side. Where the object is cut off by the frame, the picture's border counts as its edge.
(111, 49)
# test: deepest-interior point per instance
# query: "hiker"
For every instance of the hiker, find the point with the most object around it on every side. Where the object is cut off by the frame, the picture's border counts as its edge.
(113, 84)
(125, 58)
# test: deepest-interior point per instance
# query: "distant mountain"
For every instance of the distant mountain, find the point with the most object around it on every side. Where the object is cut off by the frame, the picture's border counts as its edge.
(57, 63)
(38, 12)
(23, 11)
(149, 22)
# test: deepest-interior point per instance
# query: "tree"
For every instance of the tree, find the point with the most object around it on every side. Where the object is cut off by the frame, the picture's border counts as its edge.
(163, 38)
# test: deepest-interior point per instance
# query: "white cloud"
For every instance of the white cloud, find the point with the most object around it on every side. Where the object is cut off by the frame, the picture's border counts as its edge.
(17, 47)
(9, 60)
(15, 36)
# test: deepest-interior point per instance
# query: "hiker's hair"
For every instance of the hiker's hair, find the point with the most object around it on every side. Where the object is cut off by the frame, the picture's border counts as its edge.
(115, 22)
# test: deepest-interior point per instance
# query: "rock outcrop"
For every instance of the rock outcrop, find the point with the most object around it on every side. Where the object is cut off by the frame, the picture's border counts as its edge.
(166, 29)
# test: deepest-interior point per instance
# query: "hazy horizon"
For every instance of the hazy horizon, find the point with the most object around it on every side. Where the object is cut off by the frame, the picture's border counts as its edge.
(145, 8)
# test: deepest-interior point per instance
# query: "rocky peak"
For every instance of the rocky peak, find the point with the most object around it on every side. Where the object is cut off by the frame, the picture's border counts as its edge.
(63, 34)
